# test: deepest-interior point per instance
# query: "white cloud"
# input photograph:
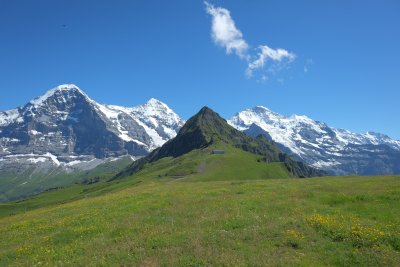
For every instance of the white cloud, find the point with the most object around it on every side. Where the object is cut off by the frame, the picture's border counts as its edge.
(268, 54)
(224, 31)
(225, 34)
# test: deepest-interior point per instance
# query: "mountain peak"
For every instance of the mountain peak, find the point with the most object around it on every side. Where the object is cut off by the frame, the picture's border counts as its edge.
(206, 110)
(207, 113)
(266, 111)
(207, 120)
(154, 105)
(68, 88)
(155, 102)
(261, 108)
(202, 129)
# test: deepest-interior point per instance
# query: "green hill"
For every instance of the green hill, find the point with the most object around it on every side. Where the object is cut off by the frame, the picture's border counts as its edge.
(202, 165)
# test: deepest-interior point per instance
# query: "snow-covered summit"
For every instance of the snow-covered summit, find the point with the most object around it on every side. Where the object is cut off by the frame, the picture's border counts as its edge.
(159, 122)
(155, 110)
(315, 142)
(63, 91)
(60, 95)
(155, 102)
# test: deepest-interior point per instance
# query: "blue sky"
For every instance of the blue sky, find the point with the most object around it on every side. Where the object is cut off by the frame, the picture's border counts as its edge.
(341, 66)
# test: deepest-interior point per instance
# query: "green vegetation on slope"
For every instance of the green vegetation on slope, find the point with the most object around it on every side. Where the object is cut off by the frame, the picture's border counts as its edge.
(202, 165)
(20, 185)
(197, 165)
(304, 222)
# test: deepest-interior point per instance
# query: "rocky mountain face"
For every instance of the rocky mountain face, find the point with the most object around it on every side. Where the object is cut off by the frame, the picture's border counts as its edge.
(337, 151)
(66, 122)
(207, 128)
(65, 129)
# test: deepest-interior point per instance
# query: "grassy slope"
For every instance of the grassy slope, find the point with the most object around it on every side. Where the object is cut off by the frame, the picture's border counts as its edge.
(198, 165)
(64, 195)
(18, 186)
(201, 165)
(320, 221)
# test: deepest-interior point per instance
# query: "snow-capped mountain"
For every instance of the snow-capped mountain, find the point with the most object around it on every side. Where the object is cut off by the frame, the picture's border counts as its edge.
(150, 125)
(65, 121)
(65, 129)
(338, 151)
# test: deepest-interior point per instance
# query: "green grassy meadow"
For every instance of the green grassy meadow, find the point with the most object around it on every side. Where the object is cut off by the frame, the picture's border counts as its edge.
(152, 219)
(201, 165)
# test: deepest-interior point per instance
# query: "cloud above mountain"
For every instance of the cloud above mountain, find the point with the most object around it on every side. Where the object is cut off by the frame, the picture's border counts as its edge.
(278, 56)
(225, 34)
(224, 31)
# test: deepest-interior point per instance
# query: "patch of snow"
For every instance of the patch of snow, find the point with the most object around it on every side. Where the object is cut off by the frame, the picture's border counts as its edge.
(118, 158)
(124, 135)
(34, 132)
(170, 132)
(8, 116)
(157, 139)
(7, 139)
(53, 158)
(109, 112)
(74, 162)
(324, 164)
(21, 155)
(119, 109)
(112, 113)
(36, 160)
